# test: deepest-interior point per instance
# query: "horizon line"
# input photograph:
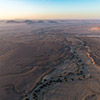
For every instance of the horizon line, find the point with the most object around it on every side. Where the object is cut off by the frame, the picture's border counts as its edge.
(56, 19)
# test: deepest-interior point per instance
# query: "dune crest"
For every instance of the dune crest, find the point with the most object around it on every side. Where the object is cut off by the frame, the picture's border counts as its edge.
(95, 28)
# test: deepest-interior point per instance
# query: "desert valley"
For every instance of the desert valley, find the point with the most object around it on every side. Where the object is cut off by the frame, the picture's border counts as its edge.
(50, 60)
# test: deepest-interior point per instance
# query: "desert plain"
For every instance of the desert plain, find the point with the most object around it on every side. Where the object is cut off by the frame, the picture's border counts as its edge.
(50, 60)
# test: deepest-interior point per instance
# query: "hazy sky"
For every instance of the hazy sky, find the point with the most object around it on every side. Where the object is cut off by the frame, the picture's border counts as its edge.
(49, 9)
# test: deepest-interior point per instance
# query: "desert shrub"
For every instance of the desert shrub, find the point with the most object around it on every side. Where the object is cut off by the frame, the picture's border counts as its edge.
(26, 98)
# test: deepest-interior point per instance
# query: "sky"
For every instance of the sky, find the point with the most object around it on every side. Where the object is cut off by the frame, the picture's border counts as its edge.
(49, 9)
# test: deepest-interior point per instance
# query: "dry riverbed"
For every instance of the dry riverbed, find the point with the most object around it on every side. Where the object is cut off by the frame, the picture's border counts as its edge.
(76, 78)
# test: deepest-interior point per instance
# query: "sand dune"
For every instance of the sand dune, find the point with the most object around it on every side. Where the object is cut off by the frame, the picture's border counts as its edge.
(95, 29)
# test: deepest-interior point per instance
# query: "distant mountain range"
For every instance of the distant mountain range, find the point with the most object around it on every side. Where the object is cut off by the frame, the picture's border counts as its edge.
(33, 21)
